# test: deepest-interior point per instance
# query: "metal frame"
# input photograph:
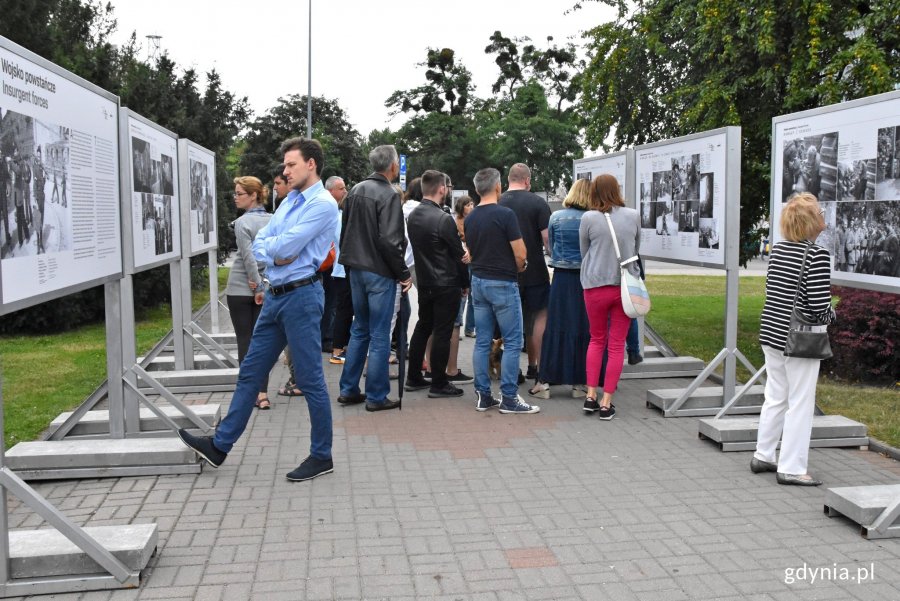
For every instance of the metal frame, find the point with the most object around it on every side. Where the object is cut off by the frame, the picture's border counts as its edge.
(730, 353)
(41, 62)
(627, 154)
(837, 277)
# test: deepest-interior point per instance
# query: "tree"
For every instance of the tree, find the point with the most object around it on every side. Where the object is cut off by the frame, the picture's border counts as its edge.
(75, 35)
(340, 140)
(666, 68)
(449, 82)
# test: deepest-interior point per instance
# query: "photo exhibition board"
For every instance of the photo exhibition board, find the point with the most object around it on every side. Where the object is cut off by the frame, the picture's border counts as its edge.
(151, 214)
(614, 164)
(59, 173)
(198, 211)
(680, 193)
(848, 156)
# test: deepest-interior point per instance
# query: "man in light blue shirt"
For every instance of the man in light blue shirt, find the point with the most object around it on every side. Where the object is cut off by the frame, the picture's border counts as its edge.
(293, 245)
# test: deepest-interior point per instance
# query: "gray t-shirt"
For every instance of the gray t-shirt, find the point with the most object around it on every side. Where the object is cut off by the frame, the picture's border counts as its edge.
(599, 266)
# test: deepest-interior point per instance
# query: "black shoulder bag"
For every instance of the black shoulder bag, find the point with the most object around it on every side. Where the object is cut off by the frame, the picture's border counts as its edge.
(805, 339)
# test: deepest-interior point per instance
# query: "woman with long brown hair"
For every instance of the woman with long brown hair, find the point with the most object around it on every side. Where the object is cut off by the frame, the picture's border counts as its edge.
(601, 278)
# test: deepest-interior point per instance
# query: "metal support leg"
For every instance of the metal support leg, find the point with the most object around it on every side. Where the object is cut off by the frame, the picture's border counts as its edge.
(673, 409)
(163, 392)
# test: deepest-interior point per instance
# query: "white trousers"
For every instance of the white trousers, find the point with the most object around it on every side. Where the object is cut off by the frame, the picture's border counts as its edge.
(788, 410)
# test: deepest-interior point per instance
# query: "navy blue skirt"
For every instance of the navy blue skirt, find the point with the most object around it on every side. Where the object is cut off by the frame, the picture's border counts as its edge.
(564, 349)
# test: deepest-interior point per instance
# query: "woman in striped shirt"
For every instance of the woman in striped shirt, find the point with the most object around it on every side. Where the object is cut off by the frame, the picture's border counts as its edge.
(790, 394)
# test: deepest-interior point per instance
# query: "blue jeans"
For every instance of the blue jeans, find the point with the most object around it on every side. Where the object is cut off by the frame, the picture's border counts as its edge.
(292, 318)
(497, 303)
(632, 341)
(373, 308)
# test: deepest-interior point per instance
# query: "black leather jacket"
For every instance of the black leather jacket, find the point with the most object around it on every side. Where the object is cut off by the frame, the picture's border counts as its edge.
(372, 236)
(437, 247)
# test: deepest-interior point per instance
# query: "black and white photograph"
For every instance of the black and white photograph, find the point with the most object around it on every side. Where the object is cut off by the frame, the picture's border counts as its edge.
(586, 175)
(168, 181)
(157, 215)
(810, 165)
(856, 180)
(648, 215)
(887, 177)
(661, 189)
(709, 233)
(688, 213)
(866, 238)
(686, 177)
(35, 208)
(202, 199)
(141, 165)
(666, 221)
(706, 195)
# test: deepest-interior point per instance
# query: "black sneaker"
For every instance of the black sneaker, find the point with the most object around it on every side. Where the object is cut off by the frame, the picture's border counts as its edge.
(634, 358)
(483, 401)
(413, 384)
(310, 468)
(590, 405)
(521, 378)
(607, 413)
(447, 390)
(460, 378)
(531, 374)
(352, 399)
(203, 446)
(427, 376)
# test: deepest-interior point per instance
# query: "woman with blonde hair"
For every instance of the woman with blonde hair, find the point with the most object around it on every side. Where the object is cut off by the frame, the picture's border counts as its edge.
(797, 267)
(601, 278)
(565, 343)
(244, 291)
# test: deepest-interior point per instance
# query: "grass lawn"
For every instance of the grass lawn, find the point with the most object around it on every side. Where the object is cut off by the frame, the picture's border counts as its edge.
(689, 313)
(44, 376)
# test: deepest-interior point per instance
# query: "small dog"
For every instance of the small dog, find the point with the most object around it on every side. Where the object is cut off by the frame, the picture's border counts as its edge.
(495, 358)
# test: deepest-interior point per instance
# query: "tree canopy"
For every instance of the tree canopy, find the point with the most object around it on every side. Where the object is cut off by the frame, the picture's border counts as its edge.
(666, 68)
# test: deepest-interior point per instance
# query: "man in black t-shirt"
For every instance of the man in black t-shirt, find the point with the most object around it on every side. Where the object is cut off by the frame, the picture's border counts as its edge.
(533, 214)
(498, 256)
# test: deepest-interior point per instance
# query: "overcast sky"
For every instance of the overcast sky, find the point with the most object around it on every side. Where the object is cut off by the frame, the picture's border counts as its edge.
(360, 54)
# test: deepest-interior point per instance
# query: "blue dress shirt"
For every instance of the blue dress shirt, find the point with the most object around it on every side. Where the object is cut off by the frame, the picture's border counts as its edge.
(302, 227)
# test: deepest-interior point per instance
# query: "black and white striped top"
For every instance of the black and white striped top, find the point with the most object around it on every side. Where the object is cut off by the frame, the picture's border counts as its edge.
(781, 284)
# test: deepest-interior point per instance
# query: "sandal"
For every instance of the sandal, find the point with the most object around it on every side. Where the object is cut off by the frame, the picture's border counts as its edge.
(540, 390)
(263, 404)
(289, 389)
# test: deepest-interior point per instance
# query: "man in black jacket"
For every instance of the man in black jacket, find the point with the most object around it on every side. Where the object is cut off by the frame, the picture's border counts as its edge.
(372, 248)
(442, 277)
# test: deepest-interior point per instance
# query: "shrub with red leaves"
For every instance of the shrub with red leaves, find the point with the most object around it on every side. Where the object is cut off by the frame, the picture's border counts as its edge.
(866, 337)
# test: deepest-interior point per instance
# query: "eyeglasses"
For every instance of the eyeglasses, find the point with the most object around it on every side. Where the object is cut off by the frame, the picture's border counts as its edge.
(239, 194)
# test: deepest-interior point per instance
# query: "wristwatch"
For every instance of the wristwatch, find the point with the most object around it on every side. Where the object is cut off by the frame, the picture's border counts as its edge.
(525, 266)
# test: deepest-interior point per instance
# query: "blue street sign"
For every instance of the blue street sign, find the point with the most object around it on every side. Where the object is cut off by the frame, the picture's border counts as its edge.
(402, 164)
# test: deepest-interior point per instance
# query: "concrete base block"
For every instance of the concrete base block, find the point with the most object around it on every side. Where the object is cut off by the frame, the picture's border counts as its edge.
(704, 401)
(167, 362)
(663, 367)
(865, 505)
(195, 380)
(97, 458)
(739, 433)
(46, 553)
(97, 422)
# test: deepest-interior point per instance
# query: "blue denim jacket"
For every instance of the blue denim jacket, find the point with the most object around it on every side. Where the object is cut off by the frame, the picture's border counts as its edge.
(563, 238)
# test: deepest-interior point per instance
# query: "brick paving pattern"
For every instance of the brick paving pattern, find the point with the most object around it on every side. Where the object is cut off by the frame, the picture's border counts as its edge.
(442, 502)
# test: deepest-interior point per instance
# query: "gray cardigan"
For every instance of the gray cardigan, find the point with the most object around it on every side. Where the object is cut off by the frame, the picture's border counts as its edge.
(599, 266)
(245, 267)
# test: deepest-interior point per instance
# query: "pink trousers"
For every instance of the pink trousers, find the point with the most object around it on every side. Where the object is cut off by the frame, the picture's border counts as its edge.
(609, 327)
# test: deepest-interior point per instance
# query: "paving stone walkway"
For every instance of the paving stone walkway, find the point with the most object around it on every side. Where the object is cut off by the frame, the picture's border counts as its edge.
(438, 501)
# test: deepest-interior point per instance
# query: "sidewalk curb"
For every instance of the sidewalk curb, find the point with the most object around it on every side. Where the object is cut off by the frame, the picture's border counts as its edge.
(876, 446)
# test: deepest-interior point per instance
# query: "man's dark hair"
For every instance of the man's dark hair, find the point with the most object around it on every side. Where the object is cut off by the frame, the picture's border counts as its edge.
(309, 149)
(279, 173)
(431, 182)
